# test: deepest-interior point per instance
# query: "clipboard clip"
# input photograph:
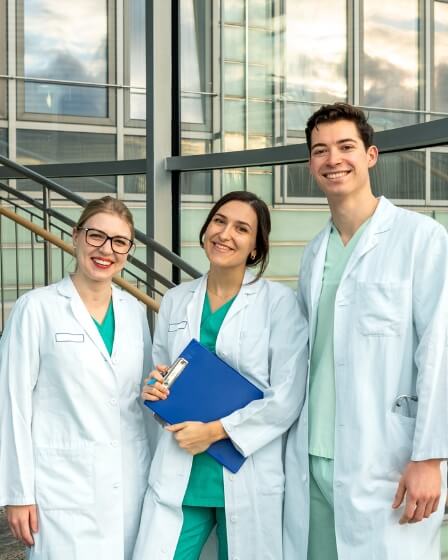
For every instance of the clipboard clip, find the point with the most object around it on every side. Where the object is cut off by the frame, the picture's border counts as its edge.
(173, 372)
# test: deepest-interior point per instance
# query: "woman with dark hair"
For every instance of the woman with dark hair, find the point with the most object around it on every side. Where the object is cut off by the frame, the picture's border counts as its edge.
(255, 326)
(74, 451)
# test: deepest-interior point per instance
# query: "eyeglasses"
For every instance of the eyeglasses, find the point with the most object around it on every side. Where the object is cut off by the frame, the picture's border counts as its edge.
(97, 238)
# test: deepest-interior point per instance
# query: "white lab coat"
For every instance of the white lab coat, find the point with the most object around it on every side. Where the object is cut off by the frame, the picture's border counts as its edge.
(72, 430)
(390, 339)
(265, 338)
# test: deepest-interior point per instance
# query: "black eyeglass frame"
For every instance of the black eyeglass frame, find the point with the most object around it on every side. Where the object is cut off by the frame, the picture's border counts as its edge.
(107, 238)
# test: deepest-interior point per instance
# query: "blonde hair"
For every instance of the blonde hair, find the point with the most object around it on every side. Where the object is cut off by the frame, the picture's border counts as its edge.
(107, 205)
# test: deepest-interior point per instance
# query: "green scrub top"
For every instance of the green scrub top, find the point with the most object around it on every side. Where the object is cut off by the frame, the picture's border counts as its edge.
(322, 395)
(206, 483)
(107, 328)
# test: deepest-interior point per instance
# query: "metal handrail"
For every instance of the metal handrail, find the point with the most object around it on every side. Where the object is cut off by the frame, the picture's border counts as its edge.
(56, 241)
(77, 199)
(71, 223)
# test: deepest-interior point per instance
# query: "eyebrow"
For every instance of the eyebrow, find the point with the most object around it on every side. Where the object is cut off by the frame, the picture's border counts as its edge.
(240, 222)
(338, 142)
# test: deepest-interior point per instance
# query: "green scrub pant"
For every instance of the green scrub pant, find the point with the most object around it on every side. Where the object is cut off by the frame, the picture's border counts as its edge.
(322, 537)
(197, 526)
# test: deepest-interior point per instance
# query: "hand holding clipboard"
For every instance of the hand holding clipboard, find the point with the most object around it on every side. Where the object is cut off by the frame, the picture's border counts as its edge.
(203, 388)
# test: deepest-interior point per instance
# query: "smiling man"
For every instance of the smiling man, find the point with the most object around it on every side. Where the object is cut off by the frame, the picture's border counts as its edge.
(367, 456)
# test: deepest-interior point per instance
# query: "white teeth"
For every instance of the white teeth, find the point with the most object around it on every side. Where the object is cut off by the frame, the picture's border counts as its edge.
(101, 262)
(336, 175)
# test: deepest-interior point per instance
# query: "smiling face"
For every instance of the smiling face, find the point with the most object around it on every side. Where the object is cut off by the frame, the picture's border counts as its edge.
(231, 236)
(339, 160)
(100, 264)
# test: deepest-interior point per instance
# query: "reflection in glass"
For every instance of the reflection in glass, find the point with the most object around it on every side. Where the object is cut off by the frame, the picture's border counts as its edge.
(316, 56)
(45, 146)
(137, 62)
(197, 182)
(194, 63)
(66, 40)
(400, 176)
(300, 183)
(135, 148)
(3, 141)
(48, 146)
(440, 57)
(439, 176)
(390, 62)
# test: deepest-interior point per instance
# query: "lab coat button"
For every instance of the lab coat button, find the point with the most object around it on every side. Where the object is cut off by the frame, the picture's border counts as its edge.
(113, 402)
(114, 443)
(116, 485)
(338, 483)
(231, 477)
(233, 518)
(304, 478)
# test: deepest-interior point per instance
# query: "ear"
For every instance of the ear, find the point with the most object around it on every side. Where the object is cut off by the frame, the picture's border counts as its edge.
(75, 234)
(372, 156)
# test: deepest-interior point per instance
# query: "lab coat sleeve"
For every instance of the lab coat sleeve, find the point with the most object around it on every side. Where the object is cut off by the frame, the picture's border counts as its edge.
(263, 420)
(19, 367)
(430, 304)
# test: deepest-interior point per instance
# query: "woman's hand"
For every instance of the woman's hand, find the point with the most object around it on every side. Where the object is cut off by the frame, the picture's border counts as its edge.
(23, 522)
(154, 390)
(196, 437)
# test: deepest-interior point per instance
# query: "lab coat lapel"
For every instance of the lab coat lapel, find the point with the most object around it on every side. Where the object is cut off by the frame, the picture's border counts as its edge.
(317, 270)
(380, 222)
(121, 333)
(242, 300)
(195, 305)
(83, 317)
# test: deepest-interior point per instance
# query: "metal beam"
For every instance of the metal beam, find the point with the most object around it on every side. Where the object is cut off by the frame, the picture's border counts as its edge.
(424, 135)
(85, 169)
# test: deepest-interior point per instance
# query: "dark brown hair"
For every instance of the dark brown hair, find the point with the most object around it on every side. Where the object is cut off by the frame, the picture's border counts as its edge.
(263, 225)
(107, 205)
(340, 112)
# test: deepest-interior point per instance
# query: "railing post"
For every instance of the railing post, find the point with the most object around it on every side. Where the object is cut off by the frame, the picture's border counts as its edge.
(46, 225)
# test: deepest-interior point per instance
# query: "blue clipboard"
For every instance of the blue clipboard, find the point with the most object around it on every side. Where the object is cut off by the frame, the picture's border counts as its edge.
(204, 388)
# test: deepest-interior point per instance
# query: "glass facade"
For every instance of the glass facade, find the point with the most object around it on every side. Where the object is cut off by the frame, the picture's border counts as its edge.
(74, 48)
(254, 71)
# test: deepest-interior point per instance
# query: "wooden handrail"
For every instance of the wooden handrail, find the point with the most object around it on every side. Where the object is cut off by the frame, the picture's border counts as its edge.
(55, 240)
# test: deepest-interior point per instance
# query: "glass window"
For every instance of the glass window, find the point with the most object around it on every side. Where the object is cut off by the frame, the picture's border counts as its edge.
(135, 148)
(439, 176)
(316, 56)
(397, 176)
(3, 57)
(4, 141)
(440, 102)
(390, 60)
(197, 182)
(400, 176)
(195, 58)
(45, 146)
(65, 40)
(137, 59)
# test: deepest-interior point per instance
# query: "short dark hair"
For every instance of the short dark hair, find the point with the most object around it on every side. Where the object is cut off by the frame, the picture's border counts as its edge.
(340, 112)
(263, 225)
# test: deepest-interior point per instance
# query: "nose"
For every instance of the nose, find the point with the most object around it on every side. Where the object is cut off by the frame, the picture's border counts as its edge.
(106, 248)
(224, 233)
(334, 156)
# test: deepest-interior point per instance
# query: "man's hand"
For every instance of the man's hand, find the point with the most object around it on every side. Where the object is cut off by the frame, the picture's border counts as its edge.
(196, 437)
(23, 522)
(421, 484)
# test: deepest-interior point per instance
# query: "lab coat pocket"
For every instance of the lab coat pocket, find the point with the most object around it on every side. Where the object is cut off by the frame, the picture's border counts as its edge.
(381, 308)
(64, 477)
(400, 435)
